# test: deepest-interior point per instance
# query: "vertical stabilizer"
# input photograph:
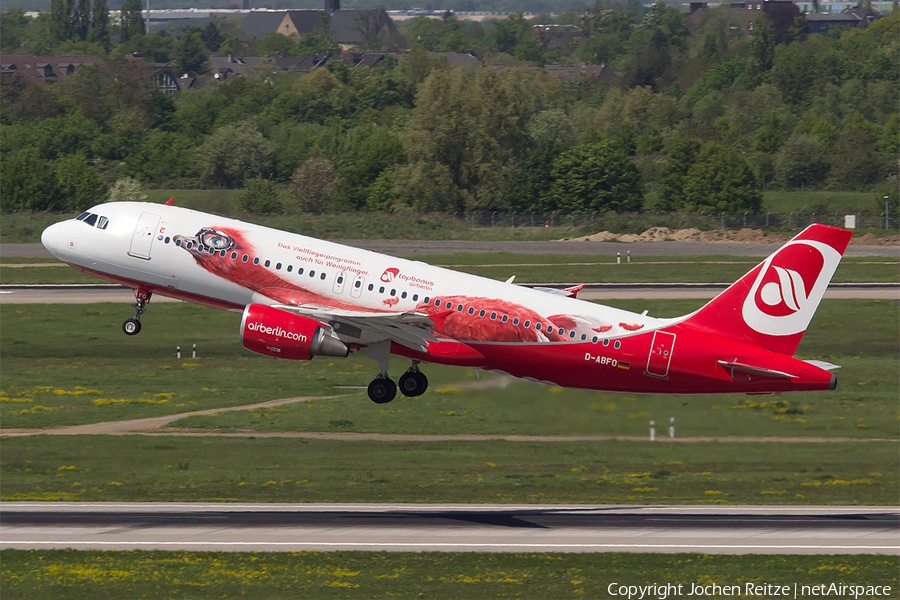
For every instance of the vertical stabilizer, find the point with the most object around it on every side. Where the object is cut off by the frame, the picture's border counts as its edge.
(773, 304)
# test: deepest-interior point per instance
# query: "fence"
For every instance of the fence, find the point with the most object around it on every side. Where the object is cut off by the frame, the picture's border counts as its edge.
(633, 222)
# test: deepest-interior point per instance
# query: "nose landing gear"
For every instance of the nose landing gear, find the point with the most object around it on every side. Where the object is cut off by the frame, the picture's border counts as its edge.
(133, 326)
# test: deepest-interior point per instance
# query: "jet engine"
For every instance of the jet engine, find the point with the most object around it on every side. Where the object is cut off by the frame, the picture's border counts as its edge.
(281, 334)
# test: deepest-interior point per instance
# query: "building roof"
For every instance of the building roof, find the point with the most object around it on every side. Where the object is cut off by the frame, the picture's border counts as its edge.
(349, 26)
(260, 24)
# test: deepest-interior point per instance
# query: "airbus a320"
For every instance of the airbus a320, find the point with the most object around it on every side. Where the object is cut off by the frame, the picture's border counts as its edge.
(302, 297)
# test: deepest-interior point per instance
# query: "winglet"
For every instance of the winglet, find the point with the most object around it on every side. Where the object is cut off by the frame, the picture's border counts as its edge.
(169, 203)
(573, 291)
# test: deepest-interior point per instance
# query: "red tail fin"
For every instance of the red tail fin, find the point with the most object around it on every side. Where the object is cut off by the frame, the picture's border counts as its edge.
(773, 304)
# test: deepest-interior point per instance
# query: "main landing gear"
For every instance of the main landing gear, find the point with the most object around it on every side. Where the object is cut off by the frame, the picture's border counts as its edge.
(133, 326)
(412, 383)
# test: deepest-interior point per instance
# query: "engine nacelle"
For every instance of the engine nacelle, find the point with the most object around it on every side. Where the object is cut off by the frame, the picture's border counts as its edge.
(281, 334)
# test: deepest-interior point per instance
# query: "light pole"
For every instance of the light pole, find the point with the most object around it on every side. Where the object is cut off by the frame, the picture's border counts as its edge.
(887, 214)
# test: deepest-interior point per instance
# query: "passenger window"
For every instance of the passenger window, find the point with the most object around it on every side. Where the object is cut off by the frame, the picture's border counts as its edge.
(222, 253)
(459, 307)
(415, 297)
(526, 324)
(277, 266)
(340, 279)
(572, 334)
(618, 344)
(583, 336)
(403, 295)
(606, 342)
(437, 302)
(381, 290)
(493, 316)
(322, 276)
(471, 310)
(505, 319)
(267, 263)
(516, 321)
(426, 300)
(393, 292)
(357, 284)
(537, 326)
(167, 241)
(312, 273)
(300, 271)
(594, 339)
(290, 268)
(560, 332)
(189, 245)
(233, 255)
(481, 313)
(101, 224)
(91, 220)
(371, 287)
(245, 258)
(256, 261)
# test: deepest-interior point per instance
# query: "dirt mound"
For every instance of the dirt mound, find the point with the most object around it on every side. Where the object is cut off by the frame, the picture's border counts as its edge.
(662, 234)
(870, 240)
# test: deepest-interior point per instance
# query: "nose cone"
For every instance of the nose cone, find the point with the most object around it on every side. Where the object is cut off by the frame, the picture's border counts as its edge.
(50, 238)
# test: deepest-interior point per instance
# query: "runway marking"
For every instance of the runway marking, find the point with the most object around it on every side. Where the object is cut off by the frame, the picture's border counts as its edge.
(697, 547)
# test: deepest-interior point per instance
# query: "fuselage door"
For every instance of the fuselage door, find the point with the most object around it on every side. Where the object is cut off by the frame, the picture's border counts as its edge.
(143, 236)
(339, 283)
(660, 354)
(358, 283)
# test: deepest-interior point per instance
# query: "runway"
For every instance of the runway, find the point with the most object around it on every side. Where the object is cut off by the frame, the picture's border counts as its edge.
(450, 528)
(91, 294)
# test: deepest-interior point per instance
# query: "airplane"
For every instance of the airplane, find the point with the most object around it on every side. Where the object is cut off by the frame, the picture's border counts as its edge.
(302, 297)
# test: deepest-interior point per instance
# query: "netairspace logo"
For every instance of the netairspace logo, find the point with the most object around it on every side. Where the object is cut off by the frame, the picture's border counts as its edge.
(277, 332)
(764, 590)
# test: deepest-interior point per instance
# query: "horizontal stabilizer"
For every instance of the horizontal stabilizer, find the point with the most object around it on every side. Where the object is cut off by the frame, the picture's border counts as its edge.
(825, 366)
(569, 292)
(733, 367)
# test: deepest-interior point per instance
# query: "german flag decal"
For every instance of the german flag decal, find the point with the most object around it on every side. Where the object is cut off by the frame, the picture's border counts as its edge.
(624, 365)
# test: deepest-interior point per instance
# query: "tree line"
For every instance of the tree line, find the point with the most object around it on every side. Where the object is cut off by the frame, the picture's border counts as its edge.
(708, 112)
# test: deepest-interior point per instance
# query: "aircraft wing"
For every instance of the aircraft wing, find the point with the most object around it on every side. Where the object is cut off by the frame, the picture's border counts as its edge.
(409, 329)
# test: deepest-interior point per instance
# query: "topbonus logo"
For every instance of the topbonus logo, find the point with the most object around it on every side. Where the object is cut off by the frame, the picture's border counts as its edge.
(277, 332)
(789, 287)
(389, 274)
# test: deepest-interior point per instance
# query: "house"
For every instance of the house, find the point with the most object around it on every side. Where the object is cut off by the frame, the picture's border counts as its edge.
(354, 27)
(822, 23)
(51, 69)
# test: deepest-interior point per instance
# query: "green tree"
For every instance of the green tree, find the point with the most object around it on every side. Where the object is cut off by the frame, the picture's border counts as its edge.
(61, 21)
(131, 22)
(671, 185)
(189, 53)
(762, 47)
(596, 177)
(801, 162)
(127, 190)
(437, 35)
(720, 180)
(28, 183)
(212, 39)
(381, 193)
(259, 196)
(855, 162)
(529, 187)
(312, 186)
(552, 128)
(13, 25)
(233, 154)
(79, 183)
(100, 25)
(771, 135)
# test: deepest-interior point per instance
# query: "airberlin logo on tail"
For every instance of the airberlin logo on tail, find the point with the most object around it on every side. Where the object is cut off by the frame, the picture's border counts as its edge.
(789, 287)
(277, 332)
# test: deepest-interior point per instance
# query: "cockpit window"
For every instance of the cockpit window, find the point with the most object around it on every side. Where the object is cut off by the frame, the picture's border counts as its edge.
(91, 220)
(102, 223)
(82, 216)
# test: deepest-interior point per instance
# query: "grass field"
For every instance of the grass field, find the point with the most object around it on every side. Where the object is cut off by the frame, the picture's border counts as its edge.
(100, 575)
(248, 469)
(88, 371)
(544, 268)
(27, 227)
